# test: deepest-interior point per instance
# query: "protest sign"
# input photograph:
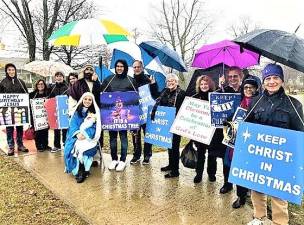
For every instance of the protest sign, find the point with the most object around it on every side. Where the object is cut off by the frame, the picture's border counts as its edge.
(193, 121)
(230, 133)
(39, 114)
(145, 100)
(269, 160)
(62, 111)
(14, 109)
(57, 112)
(158, 130)
(223, 106)
(120, 110)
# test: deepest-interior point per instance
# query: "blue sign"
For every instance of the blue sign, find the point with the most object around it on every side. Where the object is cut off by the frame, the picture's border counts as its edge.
(145, 101)
(223, 106)
(119, 110)
(62, 111)
(158, 130)
(269, 160)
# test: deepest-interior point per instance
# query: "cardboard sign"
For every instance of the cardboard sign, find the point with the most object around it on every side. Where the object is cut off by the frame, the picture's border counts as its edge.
(39, 114)
(145, 101)
(14, 109)
(223, 106)
(57, 112)
(193, 121)
(269, 160)
(158, 130)
(62, 111)
(120, 110)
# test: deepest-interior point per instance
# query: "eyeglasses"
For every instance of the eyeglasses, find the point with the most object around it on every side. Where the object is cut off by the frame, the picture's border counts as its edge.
(233, 76)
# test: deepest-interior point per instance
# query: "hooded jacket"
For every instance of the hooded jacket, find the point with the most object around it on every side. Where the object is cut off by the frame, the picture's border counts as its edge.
(12, 85)
(119, 82)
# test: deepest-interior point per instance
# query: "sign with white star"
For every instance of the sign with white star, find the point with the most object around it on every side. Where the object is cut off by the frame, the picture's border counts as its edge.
(269, 160)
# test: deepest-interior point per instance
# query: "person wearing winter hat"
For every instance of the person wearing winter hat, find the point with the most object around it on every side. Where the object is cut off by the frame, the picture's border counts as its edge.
(12, 84)
(273, 108)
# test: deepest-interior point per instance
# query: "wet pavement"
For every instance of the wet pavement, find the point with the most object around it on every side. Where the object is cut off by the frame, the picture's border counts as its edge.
(139, 195)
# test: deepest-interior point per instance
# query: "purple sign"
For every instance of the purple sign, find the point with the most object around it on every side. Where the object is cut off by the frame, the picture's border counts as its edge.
(120, 110)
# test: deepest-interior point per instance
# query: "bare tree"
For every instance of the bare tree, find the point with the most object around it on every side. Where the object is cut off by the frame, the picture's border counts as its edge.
(182, 25)
(243, 26)
(21, 15)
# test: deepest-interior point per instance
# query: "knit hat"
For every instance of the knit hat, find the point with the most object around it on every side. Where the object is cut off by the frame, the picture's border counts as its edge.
(273, 70)
(251, 81)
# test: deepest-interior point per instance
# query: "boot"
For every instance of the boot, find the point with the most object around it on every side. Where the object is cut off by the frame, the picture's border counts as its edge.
(81, 174)
(198, 178)
(11, 152)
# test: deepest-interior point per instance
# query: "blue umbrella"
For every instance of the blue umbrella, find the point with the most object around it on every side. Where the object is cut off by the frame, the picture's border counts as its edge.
(167, 56)
(105, 72)
(125, 52)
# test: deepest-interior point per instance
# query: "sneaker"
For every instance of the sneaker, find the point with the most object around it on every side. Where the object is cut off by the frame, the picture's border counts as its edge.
(55, 149)
(22, 149)
(121, 166)
(11, 151)
(256, 222)
(48, 148)
(113, 165)
(146, 161)
(134, 161)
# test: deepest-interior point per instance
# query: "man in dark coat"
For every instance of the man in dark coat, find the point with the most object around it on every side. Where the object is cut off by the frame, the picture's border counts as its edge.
(142, 79)
(234, 78)
(12, 84)
(274, 108)
(87, 82)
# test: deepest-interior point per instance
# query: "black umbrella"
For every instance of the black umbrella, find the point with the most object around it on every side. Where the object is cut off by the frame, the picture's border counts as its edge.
(280, 46)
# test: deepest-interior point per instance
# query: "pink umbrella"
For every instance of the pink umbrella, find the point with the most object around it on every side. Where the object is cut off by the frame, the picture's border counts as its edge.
(226, 52)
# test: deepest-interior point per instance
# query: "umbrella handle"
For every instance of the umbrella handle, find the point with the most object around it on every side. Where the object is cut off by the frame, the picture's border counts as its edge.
(100, 66)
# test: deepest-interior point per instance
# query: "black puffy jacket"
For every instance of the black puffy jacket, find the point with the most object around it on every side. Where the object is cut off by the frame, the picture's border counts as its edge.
(276, 110)
(58, 89)
(12, 85)
(118, 83)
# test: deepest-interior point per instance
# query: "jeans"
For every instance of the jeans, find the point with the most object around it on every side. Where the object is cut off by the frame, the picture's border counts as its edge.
(123, 134)
(10, 136)
(57, 137)
(136, 138)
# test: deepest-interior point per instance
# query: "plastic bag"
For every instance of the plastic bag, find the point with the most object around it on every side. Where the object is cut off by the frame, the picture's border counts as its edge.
(29, 134)
(189, 156)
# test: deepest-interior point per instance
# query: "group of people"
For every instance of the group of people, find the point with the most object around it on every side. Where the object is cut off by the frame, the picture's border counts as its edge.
(270, 106)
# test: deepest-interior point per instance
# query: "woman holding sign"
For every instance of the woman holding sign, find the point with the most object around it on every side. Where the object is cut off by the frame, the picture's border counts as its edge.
(82, 137)
(274, 108)
(12, 84)
(172, 96)
(204, 85)
(41, 136)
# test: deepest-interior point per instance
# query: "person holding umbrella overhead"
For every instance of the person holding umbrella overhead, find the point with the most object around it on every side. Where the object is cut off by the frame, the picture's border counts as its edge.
(273, 108)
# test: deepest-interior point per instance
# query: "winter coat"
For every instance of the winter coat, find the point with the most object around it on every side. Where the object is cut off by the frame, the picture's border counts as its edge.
(58, 89)
(118, 83)
(12, 85)
(143, 79)
(81, 86)
(170, 98)
(276, 110)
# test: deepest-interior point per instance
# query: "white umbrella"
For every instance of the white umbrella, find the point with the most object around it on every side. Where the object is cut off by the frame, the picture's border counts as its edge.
(48, 68)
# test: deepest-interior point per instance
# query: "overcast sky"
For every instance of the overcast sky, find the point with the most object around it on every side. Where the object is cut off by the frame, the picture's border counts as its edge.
(274, 14)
